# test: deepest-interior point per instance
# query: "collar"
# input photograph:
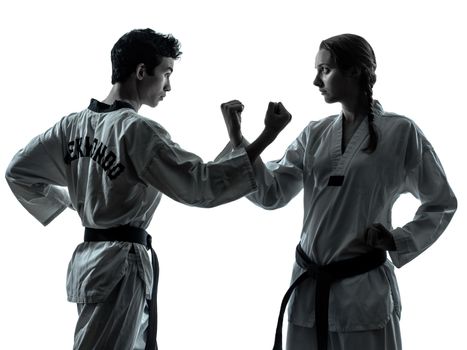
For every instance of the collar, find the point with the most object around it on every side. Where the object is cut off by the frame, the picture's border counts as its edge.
(377, 108)
(100, 107)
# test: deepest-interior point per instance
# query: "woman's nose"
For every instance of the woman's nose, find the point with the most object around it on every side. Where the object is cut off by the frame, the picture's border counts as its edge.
(318, 82)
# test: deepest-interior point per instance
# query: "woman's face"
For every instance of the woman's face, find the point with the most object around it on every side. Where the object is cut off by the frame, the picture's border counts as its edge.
(333, 83)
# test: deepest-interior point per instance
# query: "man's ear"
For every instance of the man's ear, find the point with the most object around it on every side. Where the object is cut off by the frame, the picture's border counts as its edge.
(140, 71)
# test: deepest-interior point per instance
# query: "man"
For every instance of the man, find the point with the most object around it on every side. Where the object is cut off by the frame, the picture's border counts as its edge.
(112, 165)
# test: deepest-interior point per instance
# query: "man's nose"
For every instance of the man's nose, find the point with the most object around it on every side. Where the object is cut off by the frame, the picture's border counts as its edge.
(167, 86)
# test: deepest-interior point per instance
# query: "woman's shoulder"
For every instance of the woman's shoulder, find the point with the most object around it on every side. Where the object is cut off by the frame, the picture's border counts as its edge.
(396, 120)
(404, 128)
(324, 123)
(383, 116)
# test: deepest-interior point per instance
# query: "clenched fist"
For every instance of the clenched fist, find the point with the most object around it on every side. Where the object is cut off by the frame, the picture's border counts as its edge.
(379, 237)
(277, 117)
(232, 111)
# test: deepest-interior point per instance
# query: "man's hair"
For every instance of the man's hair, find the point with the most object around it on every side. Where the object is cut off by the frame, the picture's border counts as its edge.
(141, 46)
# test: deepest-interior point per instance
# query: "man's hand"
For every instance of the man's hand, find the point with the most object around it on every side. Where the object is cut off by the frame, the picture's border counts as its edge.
(277, 117)
(232, 117)
(378, 237)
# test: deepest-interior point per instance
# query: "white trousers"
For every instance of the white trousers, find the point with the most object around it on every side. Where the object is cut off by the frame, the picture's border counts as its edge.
(119, 323)
(387, 338)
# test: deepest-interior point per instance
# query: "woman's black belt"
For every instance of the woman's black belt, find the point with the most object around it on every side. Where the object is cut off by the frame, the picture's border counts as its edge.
(133, 235)
(325, 275)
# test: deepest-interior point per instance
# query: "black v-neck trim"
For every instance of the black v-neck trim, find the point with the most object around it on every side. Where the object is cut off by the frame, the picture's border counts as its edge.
(100, 107)
(343, 149)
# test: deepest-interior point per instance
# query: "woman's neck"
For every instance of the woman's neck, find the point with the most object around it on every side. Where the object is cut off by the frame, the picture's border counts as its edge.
(355, 110)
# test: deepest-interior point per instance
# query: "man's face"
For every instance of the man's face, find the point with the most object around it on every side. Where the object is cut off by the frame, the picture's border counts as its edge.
(152, 88)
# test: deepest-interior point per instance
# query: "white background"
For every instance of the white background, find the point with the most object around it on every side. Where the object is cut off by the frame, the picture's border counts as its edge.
(224, 270)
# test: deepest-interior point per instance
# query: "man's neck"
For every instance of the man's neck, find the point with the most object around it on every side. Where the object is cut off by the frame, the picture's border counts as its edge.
(122, 92)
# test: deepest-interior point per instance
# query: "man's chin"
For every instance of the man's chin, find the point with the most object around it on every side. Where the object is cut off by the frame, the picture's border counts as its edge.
(157, 101)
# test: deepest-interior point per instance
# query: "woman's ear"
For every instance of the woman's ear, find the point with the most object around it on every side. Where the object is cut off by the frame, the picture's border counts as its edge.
(355, 72)
(140, 71)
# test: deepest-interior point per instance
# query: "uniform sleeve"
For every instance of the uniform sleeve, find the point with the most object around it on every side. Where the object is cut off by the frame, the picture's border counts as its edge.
(280, 181)
(184, 177)
(36, 175)
(427, 181)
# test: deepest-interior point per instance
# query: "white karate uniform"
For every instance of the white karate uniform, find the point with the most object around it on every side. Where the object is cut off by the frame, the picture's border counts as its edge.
(112, 165)
(336, 217)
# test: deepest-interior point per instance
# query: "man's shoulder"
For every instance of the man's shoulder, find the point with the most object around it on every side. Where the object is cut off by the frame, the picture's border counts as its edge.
(125, 122)
(137, 120)
(137, 126)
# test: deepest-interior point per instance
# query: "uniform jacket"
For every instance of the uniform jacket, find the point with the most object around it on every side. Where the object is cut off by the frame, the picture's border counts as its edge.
(336, 217)
(112, 166)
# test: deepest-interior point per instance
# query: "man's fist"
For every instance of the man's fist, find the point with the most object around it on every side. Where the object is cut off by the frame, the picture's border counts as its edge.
(232, 117)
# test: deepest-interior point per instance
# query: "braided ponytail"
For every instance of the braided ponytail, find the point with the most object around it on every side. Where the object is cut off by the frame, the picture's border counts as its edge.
(373, 142)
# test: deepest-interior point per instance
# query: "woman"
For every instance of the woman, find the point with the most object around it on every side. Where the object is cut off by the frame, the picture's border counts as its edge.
(352, 167)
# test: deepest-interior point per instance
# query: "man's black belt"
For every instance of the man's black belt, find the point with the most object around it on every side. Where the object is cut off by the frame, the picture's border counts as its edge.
(133, 235)
(325, 275)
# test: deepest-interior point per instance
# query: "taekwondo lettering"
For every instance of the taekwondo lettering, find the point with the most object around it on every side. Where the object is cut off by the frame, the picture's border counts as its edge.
(98, 152)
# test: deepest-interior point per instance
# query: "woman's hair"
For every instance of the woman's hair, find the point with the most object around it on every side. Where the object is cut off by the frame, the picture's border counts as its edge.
(350, 50)
(141, 46)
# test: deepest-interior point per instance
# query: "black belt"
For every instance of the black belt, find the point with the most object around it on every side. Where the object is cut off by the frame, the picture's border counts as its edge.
(325, 275)
(133, 235)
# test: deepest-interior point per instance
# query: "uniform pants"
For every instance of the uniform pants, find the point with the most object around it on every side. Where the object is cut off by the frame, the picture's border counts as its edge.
(387, 338)
(120, 322)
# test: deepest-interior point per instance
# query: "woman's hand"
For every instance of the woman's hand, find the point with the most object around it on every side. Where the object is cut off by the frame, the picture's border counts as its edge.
(277, 117)
(378, 237)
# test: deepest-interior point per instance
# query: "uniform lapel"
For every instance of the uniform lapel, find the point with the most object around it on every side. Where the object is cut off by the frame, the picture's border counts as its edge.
(341, 162)
(336, 137)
